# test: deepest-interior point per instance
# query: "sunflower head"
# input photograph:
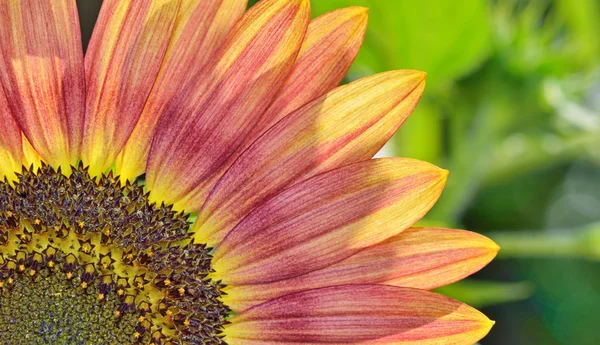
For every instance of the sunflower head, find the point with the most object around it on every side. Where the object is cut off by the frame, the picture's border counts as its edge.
(78, 251)
(221, 197)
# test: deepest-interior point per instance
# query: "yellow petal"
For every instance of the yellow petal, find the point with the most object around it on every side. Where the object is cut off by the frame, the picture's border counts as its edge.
(423, 258)
(30, 156)
(205, 124)
(121, 65)
(41, 70)
(359, 314)
(348, 125)
(11, 152)
(330, 46)
(201, 26)
(327, 218)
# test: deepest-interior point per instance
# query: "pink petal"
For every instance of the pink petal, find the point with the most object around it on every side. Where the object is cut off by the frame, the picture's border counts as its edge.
(424, 258)
(326, 219)
(203, 127)
(121, 65)
(359, 314)
(201, 26)
(41, 70)
(348, 125)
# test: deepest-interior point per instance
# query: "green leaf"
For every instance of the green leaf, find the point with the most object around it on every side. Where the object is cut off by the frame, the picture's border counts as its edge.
(581, 18)
(446, 39)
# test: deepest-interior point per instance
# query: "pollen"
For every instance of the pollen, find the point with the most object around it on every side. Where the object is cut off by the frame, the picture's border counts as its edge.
(90, 261)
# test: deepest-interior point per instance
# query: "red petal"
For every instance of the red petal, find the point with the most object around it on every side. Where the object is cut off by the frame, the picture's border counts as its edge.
(424, 258)
(326, 219)
(359, 314)
(41, 70)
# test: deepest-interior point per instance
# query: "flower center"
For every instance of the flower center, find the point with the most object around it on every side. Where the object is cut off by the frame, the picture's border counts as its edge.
(88, 261)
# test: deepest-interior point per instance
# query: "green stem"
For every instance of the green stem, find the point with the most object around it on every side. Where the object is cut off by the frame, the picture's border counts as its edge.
(582, 243)
(530, 244)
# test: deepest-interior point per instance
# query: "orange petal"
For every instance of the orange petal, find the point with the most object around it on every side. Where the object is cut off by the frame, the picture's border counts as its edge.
(201, 26)
(330, 47)
(327, 218)
(41, 69)
(11, 152)
(348, 125)
(121, 65)
(201, 129)
(31, 156)
(359, 314)
(331, 44)
(424, 258)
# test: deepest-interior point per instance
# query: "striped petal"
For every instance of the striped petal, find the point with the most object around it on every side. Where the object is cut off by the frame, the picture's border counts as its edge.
(41, 70)
(331, 44)
(359, 314)
(11, 152)
(326, 219)
(348, 125)
(201, 26)
(31, 156)
(121, 65)
(424, 258)
(200, 130)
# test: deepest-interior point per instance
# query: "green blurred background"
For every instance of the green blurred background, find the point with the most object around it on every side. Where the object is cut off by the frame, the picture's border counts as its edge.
(512, 109)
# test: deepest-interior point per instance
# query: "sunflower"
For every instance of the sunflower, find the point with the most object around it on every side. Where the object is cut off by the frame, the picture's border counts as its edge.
(197, 177)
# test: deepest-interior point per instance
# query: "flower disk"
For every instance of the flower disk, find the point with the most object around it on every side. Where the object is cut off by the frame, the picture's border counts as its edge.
(86, 260)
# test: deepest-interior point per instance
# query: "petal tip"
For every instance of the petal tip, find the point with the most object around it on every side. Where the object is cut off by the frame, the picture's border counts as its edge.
(415, 73)
(444, 175)
(420, 79)
(360, 16)
(363, 16)
(304, 4)
(486, 326)
(414, 79)
(494, 247)
(489, 324)
(440, 178)
(488, 244)
(359, 11)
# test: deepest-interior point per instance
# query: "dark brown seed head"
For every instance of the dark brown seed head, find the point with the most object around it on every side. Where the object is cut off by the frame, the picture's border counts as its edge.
(86, 260)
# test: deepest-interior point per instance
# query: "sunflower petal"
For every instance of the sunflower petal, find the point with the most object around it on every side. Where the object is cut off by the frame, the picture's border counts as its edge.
(331, 44)
(11, 152)
(200, 130)
(359, 314)
(330, 47)
(424, 258)
(121, 65)
(326, 219)
(41, 69)
(201, 26)
(310, 141)
(31, 156)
